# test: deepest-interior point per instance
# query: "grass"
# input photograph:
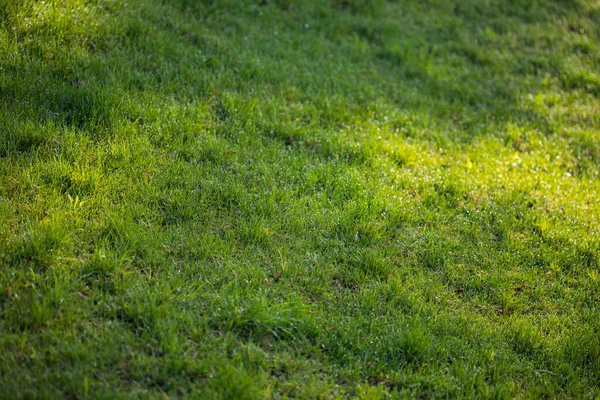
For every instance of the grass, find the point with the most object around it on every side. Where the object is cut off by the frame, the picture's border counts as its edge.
(287, 198)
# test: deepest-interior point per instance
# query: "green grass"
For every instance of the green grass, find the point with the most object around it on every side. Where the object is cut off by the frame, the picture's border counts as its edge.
(301, 199)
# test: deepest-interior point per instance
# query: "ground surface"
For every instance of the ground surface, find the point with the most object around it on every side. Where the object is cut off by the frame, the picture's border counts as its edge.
(314, 199)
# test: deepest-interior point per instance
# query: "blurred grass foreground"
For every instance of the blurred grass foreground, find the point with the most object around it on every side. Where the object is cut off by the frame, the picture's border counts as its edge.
(299, 199)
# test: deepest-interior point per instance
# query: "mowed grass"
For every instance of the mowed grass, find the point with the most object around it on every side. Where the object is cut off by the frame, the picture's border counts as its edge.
(301, 199)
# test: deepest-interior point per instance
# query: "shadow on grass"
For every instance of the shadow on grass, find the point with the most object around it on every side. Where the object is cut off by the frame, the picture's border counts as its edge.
(445, 67)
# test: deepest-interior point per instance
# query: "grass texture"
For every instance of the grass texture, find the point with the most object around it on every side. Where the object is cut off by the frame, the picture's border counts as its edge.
(300, 199)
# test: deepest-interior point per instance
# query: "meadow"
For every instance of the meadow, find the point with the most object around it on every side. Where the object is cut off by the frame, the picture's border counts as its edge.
(300, 199)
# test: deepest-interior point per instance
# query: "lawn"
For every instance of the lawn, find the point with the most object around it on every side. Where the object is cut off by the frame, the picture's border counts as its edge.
(300, 199)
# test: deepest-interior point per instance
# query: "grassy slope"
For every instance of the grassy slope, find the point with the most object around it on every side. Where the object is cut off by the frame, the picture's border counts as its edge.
(311, 199)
